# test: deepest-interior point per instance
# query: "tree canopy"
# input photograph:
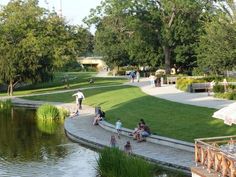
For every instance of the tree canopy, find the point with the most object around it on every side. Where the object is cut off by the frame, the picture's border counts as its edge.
(34, 42)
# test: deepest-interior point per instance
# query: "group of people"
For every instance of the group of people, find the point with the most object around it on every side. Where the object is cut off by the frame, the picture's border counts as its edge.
(127, 146)
(134, 74)
(141, 131)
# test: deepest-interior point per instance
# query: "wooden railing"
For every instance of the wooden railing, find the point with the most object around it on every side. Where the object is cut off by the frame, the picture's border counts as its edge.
(210, 155)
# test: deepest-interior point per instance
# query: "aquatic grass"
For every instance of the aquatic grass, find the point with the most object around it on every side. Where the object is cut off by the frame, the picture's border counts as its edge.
(63, 113)
(114, 163)
(48, 112)
(49, 117)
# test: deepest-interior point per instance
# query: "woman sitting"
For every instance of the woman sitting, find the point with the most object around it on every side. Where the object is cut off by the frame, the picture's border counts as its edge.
(143, 133)
(98, 117)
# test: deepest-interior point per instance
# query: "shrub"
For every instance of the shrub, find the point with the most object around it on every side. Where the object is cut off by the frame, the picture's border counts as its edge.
(90, 69)
(227, 95)
(184, 83)
(218, 89)
(114, 163)
(120, 72)
(47, 111)
(63, 113)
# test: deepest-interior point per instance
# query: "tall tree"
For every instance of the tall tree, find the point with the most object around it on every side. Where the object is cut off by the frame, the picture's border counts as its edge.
(217, 47)
(33, 42)
(152, 26)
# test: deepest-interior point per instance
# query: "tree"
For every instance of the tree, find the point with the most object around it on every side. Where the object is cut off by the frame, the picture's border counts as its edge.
(17, 21)
(147, 27)
(217, 47)
(33, 43)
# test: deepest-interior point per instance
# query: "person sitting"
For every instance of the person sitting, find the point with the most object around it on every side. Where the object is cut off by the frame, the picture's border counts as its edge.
(145, 132)
(98, 117)
(142, 122)
(136, 131)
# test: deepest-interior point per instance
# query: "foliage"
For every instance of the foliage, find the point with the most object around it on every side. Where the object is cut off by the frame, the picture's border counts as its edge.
(71, 66)
(184, 83)
(147, 33)
(218, 89)
(217, 46)
(90, 69)
(5, 105)
(47, 125)
(226, 95)
(63, 113)
(114, 163)
(48, 112)
(35, 42)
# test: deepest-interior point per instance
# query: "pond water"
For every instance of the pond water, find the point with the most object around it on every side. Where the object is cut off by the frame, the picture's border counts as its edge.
(29, 148)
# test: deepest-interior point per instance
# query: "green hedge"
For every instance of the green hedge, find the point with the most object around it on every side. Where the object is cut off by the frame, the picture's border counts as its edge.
(226, 95)
(184, 83)
(218, 89)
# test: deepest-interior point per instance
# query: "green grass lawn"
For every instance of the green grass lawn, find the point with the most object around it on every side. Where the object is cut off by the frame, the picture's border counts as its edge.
(76, 80)
(165, 118)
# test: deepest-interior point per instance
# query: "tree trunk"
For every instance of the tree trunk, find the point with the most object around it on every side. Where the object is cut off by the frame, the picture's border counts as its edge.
(167, 53)
(10, 88)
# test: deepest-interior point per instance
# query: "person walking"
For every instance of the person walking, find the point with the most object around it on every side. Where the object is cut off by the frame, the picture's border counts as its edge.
(79, 98)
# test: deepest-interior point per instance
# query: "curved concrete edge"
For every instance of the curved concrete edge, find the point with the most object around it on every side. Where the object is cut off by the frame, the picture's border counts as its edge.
(153, 138)
(99, 146)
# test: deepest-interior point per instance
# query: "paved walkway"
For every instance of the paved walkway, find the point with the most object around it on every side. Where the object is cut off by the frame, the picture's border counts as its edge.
(169, 92)
(82, 127)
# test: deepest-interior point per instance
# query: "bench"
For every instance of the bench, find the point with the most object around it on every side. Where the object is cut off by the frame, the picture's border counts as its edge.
(152, 138)
(171, 80)
(199, 87)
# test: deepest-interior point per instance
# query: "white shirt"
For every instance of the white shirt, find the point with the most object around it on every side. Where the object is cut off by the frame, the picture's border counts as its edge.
(79, 95)
(118, 125)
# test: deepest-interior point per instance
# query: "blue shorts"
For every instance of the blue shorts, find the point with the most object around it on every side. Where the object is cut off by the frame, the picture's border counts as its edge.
(145, 134)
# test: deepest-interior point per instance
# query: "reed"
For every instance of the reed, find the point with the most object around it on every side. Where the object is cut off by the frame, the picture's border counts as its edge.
(48, 112)
(114, 163)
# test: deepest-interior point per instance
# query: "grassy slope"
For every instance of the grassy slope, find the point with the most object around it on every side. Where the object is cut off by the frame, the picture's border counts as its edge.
(166, 118)
(77, 80)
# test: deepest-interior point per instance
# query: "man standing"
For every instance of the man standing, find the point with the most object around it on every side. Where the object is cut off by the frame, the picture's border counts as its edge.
(79, 98)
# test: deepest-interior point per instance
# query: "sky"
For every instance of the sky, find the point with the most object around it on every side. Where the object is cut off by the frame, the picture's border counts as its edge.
(73, 10)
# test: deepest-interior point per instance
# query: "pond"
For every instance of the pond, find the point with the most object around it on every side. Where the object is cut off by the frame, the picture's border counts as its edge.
(29, 149)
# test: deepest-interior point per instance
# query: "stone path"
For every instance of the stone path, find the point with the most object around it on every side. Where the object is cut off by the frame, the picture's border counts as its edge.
(81, 127)
(169, 92)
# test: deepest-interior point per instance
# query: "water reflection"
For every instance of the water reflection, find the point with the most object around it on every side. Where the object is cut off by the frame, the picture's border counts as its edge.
(26, 150)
